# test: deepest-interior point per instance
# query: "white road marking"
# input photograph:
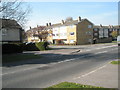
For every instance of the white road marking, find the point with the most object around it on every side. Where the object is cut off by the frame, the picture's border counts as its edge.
(101, 52)
(98, 48)
(94, 70)
(53, 63)
(23, 69)
(90, 72)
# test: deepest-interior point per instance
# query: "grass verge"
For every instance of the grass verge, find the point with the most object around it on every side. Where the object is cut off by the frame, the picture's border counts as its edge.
(18, 57)
(73, 86)
(115, 62)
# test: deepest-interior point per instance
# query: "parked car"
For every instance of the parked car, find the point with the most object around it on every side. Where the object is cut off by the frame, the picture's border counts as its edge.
(118, 40)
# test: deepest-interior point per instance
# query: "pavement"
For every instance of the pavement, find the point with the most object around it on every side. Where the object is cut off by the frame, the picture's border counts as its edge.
(105, 76)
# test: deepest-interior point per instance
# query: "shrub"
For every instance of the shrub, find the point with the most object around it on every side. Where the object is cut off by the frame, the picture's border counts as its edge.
(11, 48)
(30, 47)
(42, 45)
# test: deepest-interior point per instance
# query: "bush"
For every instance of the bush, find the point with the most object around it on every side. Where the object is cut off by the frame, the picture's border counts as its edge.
(11, 48)
(30, 47)
(42, 45)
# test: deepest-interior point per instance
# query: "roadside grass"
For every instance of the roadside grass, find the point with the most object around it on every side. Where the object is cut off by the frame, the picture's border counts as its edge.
(115, 62)
(19, 57)
(114, 41)
(73, 86)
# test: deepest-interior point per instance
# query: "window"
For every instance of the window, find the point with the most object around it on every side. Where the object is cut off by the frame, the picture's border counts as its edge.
(95, 29)
(49, 34)
(57, 34)
(105, 32)
(4, 32)
(101, 33)
(71, 33)
(95, 34)
(53, 34)
(90, 40)
(71, 41)
(89, 26)
(110, 34)
(89, 33)
(110, 29)
(86, 33)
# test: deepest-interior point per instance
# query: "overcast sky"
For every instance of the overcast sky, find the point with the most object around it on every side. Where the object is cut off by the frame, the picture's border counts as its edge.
(105, 13)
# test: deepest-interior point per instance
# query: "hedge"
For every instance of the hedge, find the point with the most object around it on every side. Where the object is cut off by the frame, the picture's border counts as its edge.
(11, 48)
(30, 47)
(19, 48)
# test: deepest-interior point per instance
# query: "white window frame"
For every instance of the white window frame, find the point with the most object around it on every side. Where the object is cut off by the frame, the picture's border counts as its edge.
(89, 26)
(95, 29)
(95, 34)
(72, 41)
(4, 32)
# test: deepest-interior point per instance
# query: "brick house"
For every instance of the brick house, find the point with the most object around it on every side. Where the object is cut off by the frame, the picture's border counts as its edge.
(33, 34)
(103, 34)
(71, 32)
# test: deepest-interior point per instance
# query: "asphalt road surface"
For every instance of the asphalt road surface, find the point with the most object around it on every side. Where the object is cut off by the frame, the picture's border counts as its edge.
(52, 70)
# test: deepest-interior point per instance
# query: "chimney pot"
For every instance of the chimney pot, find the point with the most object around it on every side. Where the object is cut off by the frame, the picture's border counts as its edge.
(79, 19)
(63, 22)
(47, 24)
(30, 27)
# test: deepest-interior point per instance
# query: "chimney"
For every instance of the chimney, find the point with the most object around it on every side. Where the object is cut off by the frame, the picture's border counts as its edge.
(47, 24)
(109, 26)
(100, 25)
(37, 26)
(30, 27)
(112, 26)
(79, 19)
(63, 22)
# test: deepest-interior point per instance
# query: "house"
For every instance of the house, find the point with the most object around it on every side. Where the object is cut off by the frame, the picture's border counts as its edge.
(103, 34)
(78, 32)
(10, 31)
(69, 31)
(117, 29)
(36, 34)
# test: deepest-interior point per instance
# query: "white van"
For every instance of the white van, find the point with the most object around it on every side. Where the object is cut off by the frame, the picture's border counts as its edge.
(118, 40)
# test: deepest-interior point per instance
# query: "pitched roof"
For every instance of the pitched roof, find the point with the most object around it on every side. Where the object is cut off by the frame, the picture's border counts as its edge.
(98, 26)
(7, 23)
(117, 26)
(66, 23)
(110, 26)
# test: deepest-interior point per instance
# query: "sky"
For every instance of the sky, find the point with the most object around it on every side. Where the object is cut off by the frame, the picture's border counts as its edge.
(105, 13)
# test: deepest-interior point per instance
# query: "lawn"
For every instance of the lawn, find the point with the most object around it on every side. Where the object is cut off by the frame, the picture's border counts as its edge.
(18, 57)
(74, 86)
(115, 62)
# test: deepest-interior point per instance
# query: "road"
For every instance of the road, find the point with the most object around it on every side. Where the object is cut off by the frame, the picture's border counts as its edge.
(41, 74)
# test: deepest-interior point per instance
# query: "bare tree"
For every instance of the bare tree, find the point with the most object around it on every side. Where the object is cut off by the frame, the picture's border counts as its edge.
(41, 33)
(14, 10)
